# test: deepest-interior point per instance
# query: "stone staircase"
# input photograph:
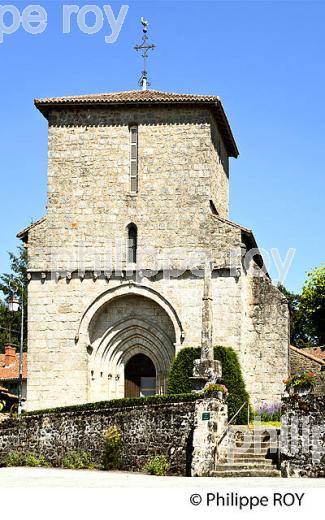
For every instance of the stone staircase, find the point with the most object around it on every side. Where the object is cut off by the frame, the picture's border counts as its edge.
(257, 458)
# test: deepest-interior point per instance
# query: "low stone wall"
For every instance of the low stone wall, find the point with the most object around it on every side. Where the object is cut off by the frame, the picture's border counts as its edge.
(147, 430)
(303, 436)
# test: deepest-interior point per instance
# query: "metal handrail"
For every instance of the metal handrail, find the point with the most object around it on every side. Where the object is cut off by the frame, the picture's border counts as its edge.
(231, 420)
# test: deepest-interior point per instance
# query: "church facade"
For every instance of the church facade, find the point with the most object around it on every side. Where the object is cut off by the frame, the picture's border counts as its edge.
(137, 208)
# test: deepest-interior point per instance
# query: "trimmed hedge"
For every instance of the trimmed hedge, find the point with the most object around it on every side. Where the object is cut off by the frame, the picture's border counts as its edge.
(120, 403)
(182, 369)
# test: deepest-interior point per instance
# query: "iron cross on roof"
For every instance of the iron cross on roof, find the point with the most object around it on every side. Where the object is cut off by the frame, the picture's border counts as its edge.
(143, 82)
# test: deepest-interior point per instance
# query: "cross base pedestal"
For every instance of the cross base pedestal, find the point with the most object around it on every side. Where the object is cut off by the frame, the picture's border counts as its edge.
(204, 371)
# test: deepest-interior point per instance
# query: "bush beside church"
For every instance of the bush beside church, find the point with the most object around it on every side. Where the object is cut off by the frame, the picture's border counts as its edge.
(182, 369)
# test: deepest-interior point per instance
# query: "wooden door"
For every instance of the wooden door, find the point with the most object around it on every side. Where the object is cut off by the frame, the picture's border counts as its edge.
(132, 386)
(139, 368)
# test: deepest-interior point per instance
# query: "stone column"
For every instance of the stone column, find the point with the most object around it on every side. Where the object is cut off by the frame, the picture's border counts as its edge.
(206, 369)
(207, 316)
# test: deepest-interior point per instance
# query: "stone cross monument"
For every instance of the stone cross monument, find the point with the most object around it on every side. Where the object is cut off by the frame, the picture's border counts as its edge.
(206, 369)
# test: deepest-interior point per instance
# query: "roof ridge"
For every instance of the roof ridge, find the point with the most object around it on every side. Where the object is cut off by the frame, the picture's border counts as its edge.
(139, 92)
(88, 94)
(135, 95)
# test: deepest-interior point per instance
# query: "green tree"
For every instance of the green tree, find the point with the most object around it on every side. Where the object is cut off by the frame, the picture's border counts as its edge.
(12, 283)
(312, 305)
(307, 311)
(298, 332)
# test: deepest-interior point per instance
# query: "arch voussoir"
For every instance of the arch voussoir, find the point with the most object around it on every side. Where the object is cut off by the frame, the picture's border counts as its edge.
(119, 326)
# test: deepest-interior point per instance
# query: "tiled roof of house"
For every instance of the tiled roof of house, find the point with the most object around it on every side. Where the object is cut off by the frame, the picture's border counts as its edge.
(12, 371)
(310, 354)
(318, 352)
(138, 97)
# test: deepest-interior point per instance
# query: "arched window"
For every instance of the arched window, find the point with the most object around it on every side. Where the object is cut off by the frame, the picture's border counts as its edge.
(132, 243)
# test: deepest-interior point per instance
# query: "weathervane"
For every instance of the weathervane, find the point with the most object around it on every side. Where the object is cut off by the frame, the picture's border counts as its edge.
(143, 82)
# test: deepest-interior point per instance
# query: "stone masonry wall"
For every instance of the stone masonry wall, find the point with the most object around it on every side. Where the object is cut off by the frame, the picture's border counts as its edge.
(303, 436)
(264, 338)
(59, 366)
(89, 199)
(147, 431)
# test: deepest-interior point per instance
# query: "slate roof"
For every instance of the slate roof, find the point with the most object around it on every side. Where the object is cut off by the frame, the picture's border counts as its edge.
(147, 97)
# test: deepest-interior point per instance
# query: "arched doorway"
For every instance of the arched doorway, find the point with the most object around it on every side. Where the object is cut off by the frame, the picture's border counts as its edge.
(140, 377)
(122, 323)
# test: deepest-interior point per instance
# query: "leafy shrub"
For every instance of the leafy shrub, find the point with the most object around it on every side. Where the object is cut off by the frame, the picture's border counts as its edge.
(77, 460)
(113, 448)
(32, 461)
(158, 465)
(269, 412)
(2, 405)
(182, 369)
(15, 458)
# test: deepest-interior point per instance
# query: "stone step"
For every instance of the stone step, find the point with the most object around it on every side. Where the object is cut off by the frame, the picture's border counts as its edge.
(257, 456)
(255, 472)
(229, 466)
(253, 451)
(250, 460)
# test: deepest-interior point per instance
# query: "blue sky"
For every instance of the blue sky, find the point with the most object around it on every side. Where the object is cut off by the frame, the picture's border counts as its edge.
(265, 59)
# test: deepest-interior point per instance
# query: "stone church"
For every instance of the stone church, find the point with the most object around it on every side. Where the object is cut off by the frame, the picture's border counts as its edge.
(137, 208)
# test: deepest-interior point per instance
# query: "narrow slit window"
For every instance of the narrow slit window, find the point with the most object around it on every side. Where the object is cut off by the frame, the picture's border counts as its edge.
(132, 243)
(134, 159)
